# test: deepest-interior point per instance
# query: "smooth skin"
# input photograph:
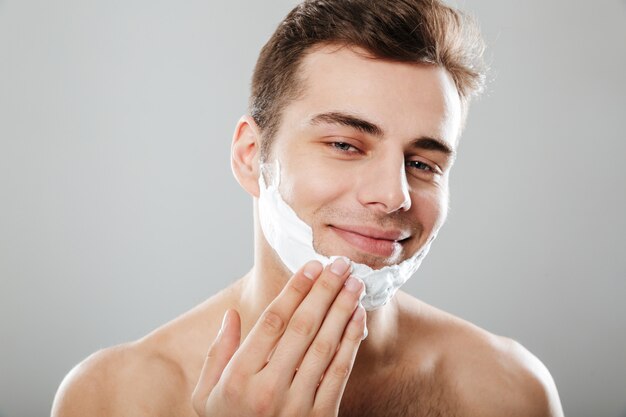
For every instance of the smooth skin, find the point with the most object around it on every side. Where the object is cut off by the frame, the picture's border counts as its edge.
(291, 346)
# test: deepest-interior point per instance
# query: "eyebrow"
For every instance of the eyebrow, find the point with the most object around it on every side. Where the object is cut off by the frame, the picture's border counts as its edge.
(348, 120)
(344, 119)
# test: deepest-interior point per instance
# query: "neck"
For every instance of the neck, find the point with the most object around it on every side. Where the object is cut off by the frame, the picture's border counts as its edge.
(262, 284)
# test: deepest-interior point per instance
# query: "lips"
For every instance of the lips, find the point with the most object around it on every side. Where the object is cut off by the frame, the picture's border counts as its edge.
(371, 240)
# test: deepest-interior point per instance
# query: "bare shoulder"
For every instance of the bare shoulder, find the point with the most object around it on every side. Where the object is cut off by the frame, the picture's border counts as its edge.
(129, 379)
(153, 376)
(485, 374)
(495, 376)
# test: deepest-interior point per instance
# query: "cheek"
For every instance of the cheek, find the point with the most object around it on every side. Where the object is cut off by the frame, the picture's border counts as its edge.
(307, 189)
(430, 206)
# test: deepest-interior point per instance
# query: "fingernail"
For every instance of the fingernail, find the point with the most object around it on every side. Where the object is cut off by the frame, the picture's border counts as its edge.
(353, 284)
(312, 269)
(224, 322)
(365, 333)
(339, 267)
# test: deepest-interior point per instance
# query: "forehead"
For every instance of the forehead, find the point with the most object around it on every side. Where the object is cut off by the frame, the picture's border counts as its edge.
(405, 99)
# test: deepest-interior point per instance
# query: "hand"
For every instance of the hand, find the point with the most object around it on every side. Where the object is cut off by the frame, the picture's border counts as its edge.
(298, 356)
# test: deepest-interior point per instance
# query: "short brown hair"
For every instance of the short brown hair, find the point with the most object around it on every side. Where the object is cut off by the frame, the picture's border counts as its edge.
(421, 31)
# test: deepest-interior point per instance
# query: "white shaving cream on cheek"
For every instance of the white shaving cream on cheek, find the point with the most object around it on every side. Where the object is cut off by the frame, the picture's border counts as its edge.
(292, 239)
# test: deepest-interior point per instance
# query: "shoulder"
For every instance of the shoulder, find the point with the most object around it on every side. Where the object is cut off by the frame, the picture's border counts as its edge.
(119, 381)
(483, 374)
(495, 376)
(153, 376)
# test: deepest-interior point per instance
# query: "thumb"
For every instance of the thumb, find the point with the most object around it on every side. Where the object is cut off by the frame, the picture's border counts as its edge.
(220, 352)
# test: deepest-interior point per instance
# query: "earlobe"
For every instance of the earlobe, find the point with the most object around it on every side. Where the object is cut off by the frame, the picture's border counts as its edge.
(244, 155)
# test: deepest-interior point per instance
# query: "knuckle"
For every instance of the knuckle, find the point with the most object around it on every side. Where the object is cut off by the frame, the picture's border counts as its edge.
(302, 326)
(270, 385)
(272, 322)
(263, 404)
(299, 286)
(340, 370)
(326, 284)
(293, 409)
(231, 391)
(233, 386)
(354, 333)
(346, 304)
(323, 349)
(213, 350)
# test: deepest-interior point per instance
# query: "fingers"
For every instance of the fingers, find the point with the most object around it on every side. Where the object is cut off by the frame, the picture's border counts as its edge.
(253, 354)
(314, 305)
(335, 377)
(308, 318)
(221, 351)
(327, 340)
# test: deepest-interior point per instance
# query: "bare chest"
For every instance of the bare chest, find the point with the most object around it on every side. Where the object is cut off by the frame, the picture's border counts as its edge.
(397, 395)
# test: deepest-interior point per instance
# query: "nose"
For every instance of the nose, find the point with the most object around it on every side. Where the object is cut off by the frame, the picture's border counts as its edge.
(384, 185)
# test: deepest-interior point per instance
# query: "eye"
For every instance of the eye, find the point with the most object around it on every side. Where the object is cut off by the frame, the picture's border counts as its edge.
(421, 166)
(344, 147)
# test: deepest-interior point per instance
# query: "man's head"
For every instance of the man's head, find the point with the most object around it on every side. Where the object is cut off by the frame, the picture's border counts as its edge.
(412, 31)
(362, 103)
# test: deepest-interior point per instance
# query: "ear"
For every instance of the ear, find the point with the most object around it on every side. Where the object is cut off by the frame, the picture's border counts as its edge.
(244, 155)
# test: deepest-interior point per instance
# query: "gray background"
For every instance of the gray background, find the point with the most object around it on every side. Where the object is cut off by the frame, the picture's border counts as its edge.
(118, 210)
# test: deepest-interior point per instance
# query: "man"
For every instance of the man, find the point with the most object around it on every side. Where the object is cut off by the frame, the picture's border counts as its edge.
(355, 115)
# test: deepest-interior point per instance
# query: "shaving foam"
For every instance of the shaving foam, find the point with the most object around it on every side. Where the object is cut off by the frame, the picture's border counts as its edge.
(292, 239)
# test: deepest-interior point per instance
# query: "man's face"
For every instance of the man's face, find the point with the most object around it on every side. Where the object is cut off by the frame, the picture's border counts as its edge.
(366, 153)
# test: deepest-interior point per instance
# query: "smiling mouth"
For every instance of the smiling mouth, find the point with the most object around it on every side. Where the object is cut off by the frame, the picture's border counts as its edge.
(373, 241)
